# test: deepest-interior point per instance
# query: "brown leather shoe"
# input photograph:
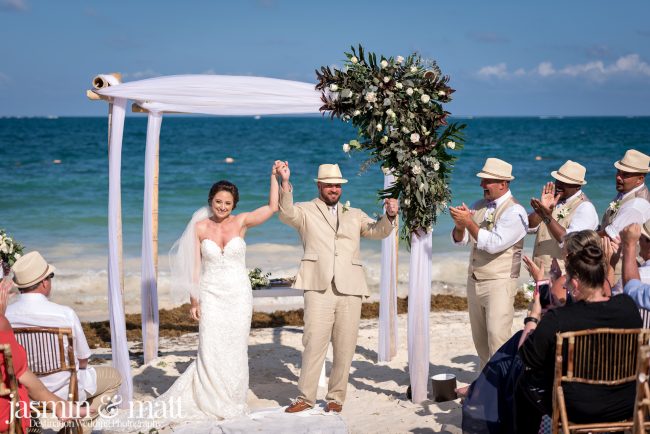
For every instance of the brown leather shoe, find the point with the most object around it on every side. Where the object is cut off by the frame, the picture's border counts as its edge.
(333, 406)
(298, 405)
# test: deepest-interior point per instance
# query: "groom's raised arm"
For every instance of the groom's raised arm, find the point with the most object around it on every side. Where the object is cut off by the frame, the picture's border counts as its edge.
(292, 215)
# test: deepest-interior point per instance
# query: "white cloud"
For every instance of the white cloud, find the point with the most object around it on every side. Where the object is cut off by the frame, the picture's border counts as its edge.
(147, 73)
(500, 70)
(13, 5)
(631, 64)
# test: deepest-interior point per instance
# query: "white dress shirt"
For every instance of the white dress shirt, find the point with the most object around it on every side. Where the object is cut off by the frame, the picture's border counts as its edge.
(35, 310)
(584, 217)
(511, 227)
(636, 210)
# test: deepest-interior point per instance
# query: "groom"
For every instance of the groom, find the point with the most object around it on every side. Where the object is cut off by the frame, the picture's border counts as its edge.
(332, 276)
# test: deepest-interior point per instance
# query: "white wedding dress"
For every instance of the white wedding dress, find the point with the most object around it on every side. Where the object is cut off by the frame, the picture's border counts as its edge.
(215, 386)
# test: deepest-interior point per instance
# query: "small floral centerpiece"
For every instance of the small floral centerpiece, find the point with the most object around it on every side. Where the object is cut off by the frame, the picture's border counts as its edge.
(397, 105)
(259, 280)
(10, 251)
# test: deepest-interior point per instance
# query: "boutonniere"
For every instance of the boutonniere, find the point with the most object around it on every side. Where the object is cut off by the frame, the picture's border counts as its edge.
(614, 205)
(563, 213)
(346, 206)
(489, 218)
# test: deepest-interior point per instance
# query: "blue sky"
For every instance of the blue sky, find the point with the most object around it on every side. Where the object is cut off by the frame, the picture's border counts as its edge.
(578, 57)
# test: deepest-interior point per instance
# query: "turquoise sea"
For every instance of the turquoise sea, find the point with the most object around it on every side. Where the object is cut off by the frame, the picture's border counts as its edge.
(53, 175)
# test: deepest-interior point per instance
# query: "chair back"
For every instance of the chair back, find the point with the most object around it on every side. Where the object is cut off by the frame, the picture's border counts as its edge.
(12, 391)
(603, 356)
(645, 316)
(50, 350)
(642, 405)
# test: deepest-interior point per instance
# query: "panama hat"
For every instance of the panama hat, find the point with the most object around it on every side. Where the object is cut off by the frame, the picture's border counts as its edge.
(496, 169)
(330, 174)
(633, 161)
(645, 229)
(571, 173)
(31, 269)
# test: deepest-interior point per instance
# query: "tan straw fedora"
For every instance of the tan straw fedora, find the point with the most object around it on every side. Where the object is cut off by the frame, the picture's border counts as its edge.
(330, 174)
(571, 173)
(31, 269)
(496, 169)
(645, 229)
(633, 161)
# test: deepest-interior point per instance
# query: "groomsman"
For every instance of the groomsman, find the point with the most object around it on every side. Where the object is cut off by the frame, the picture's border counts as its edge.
(562, 208)
(631, 204)
(495, 227)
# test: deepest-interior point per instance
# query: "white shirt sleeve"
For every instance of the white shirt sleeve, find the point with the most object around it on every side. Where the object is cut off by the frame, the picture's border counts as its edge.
(510, 228)
(584, 218)
(81, 347)
(635, 211)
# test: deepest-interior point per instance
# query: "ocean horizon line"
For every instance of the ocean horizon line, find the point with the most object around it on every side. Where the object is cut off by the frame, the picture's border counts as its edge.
(315, 115)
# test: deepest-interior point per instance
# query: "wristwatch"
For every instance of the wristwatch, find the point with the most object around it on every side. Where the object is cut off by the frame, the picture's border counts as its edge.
(546, 220)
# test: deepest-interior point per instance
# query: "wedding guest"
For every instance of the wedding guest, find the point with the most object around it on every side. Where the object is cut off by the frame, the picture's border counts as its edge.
(29, 386)
(332, 276)
(631, 203)
(591, 308)
(33, 277)
(636, 279)
(562, 208)
(495, 226)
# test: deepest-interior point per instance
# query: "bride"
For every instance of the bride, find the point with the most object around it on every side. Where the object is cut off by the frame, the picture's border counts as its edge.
(208, 262)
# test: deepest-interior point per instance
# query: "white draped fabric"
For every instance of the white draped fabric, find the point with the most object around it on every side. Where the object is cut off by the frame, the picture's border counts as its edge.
(119, 349)
(388, 292)
(419, 306)
(219, 95)
(148, 275)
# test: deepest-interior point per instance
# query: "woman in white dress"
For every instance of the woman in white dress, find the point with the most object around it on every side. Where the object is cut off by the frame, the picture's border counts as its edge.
(209, 263)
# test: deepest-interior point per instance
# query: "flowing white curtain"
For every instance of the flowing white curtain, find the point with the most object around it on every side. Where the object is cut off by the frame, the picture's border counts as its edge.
(388, 292)
(419, 306)
(148, 275)
(119, 349)
(219, 95)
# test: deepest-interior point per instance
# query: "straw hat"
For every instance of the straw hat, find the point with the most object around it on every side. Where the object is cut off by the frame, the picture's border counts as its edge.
(633, 161)
(31, 269)
(330, 174)
(645, 229)
(496, 169)
(571, 173)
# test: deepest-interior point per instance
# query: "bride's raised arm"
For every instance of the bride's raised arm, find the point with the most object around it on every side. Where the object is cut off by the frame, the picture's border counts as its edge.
(263, 213)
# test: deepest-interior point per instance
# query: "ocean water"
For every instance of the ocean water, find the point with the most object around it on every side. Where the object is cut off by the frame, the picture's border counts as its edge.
(54, 179)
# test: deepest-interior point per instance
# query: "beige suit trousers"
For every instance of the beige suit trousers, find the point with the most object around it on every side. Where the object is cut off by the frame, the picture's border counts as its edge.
(108, 382)
(491, 310)
(329, 316)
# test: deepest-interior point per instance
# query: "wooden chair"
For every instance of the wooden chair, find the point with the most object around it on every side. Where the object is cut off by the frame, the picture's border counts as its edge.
(12, 391)
(645, 316)
(606, 357)
(51, 350)
(642, 404)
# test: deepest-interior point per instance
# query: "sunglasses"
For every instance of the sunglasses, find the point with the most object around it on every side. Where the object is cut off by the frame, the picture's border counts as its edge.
(50, 276)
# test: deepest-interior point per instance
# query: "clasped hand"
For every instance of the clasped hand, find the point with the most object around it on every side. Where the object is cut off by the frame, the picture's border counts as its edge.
(461, 215)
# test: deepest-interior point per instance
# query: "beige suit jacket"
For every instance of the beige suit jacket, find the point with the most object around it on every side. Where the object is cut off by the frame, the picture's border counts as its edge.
(331, 247)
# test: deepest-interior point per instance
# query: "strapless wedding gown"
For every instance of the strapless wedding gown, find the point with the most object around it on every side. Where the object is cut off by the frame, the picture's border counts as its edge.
(215, 385)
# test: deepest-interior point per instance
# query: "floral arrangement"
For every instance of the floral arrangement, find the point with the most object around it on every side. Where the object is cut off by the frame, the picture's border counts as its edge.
(396, 104)
(258, 280)
(10, 250)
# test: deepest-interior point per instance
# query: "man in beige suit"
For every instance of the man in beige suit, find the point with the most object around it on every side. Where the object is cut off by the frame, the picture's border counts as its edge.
(495, 226)
(333, 278)
(562, 208)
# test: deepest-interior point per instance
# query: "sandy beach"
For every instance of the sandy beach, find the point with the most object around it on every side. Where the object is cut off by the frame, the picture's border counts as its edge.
(376, 400)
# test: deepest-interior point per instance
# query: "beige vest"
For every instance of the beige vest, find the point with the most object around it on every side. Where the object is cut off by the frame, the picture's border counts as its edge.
(546, 246)
(610, 214)
(502, 265)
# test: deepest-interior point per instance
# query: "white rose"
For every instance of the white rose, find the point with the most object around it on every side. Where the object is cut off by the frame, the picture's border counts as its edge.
(407, 202)
(436, 166)
(387, 102)
(415, 137)
(399, 85)
(371, 97)
(379, 127)
(334, 87)
(384, 140)
(405, 130)
(386, 79)
(451, 145)
(414, 68)
(441, 93)
(425, 98)
(356, 113)
(346, 93)
(3, 249)
(17, 255)
(417, 170)
(383, 64)
(399, 59)
(409, 91)
(390, 112)
(354, 59)
(346, 148)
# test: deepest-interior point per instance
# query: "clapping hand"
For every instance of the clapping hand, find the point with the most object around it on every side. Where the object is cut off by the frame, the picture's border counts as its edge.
(630, 234)
(461, 215)
(547, 201)
(536, 272)
(5, 286)
(392, 207)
